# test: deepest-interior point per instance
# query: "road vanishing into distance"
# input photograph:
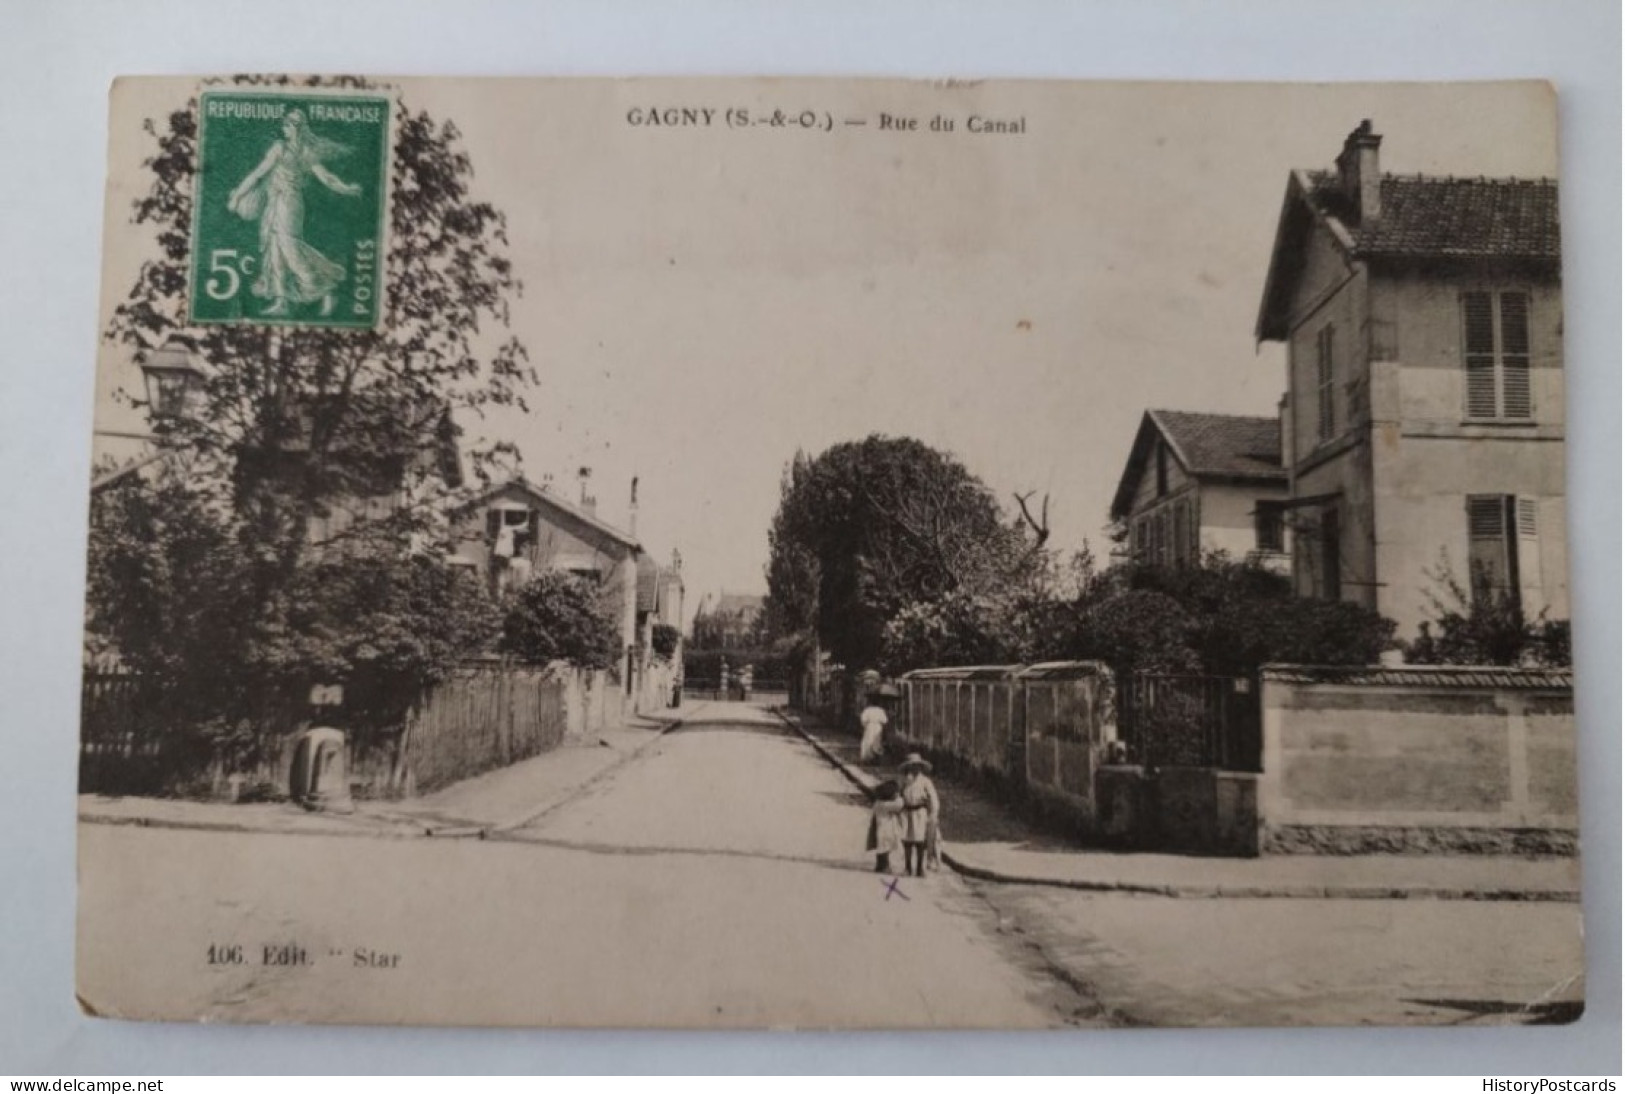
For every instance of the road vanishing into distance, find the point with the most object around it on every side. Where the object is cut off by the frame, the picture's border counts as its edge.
(719, 880)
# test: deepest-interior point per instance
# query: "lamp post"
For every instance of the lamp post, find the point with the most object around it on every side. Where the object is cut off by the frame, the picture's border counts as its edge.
(173, 377)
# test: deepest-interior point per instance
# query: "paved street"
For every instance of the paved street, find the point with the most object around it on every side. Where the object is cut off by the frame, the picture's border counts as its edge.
(721, 873)
(719, 879)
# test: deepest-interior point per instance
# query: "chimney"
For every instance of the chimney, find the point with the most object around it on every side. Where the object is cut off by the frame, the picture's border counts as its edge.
(632, 513)
(1360, 175)
(588, 502)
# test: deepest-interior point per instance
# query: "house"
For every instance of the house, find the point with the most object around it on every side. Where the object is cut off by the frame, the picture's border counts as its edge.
(516, 529)
(356, 458)
(384, 455)
(1423, 420)
(660, 594)
(728, 621)
(1204, 482)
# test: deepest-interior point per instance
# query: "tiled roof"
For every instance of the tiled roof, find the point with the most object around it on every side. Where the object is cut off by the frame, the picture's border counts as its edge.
(552, 500)
(1424, 676)
(744, 604)
(1440, 217)
(1228, 445)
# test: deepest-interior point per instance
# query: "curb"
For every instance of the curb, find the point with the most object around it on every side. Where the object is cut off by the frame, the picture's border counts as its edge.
(1209, 892)
(403, 831)
(400, 830)
(486, 831)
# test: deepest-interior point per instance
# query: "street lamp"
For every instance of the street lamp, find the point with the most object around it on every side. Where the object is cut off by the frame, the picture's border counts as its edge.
(172, 376)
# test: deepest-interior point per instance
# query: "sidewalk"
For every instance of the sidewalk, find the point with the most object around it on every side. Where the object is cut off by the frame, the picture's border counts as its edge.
(504, 798)
(983, 839)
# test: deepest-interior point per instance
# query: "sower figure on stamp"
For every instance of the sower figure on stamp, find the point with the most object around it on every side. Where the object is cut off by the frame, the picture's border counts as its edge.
(291, 270)
(921, 811)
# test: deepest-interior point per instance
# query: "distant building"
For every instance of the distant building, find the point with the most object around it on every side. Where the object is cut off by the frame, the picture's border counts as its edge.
(728, 621)
(660, 598)
(1195, 483)
(1423, 419)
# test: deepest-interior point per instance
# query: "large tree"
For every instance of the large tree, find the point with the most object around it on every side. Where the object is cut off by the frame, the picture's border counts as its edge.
(291, 423)
(349, 402)
(869, 530)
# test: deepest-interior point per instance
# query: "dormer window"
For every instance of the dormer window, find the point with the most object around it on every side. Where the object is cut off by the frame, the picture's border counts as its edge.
(510, 532)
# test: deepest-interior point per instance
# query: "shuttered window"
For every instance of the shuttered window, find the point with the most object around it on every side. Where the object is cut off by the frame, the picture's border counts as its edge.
(1495, 353)
(1325, 375)
(1515, 400)
(1331, 554)
(1268, 528)
(1181, 534)
(1488, 556)
(1503, 549)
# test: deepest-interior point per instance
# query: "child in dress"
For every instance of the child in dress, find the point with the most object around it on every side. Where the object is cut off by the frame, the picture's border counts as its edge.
(886, 824)
(921, 810)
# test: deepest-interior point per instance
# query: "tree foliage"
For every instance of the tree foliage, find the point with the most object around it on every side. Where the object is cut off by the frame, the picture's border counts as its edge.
(558, 616)
(664, 640)
(206, 574)
(347, 401)
(869, 530)
(1486, 626)
(1220, 617)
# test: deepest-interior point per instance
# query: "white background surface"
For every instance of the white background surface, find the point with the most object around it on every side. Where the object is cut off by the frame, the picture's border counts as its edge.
(56, 62)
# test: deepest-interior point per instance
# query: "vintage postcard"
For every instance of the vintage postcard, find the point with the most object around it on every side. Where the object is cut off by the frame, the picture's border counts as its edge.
(806, 554)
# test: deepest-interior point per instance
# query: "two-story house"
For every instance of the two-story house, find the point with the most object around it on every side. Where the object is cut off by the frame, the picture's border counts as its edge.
(1196, 483)
(1423, 419)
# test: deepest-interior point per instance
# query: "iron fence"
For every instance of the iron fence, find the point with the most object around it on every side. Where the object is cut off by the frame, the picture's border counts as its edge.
(1191, 721)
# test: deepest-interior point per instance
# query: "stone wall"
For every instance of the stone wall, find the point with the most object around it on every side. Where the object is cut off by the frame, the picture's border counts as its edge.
(1418, 758)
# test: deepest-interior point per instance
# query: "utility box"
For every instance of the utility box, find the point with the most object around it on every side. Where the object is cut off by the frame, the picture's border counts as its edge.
(319, 779)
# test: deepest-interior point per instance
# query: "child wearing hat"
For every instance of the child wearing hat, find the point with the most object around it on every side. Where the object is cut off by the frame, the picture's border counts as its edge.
(885, 824)
(921, 808)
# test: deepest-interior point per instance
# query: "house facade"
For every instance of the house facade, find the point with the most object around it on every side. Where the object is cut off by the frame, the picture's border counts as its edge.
(1196, 483)
(517, 529)
(728, 620)
(1423, 421)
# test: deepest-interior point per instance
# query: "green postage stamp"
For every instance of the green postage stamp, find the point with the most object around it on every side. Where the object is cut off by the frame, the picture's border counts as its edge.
(290, 204)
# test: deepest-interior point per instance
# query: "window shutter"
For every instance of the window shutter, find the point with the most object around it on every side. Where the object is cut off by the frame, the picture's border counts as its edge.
(493, 525)
(1487, 545)
(1515, 394)
(1324, 374)
(1331, 554)
(1181, 533)
(1478, 345)
(1530, 590)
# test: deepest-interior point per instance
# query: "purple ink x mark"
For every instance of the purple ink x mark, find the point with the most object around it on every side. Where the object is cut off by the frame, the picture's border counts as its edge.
(891, 887)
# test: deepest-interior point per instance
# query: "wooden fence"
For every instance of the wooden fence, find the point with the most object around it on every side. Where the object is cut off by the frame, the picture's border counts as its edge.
(136, 736)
